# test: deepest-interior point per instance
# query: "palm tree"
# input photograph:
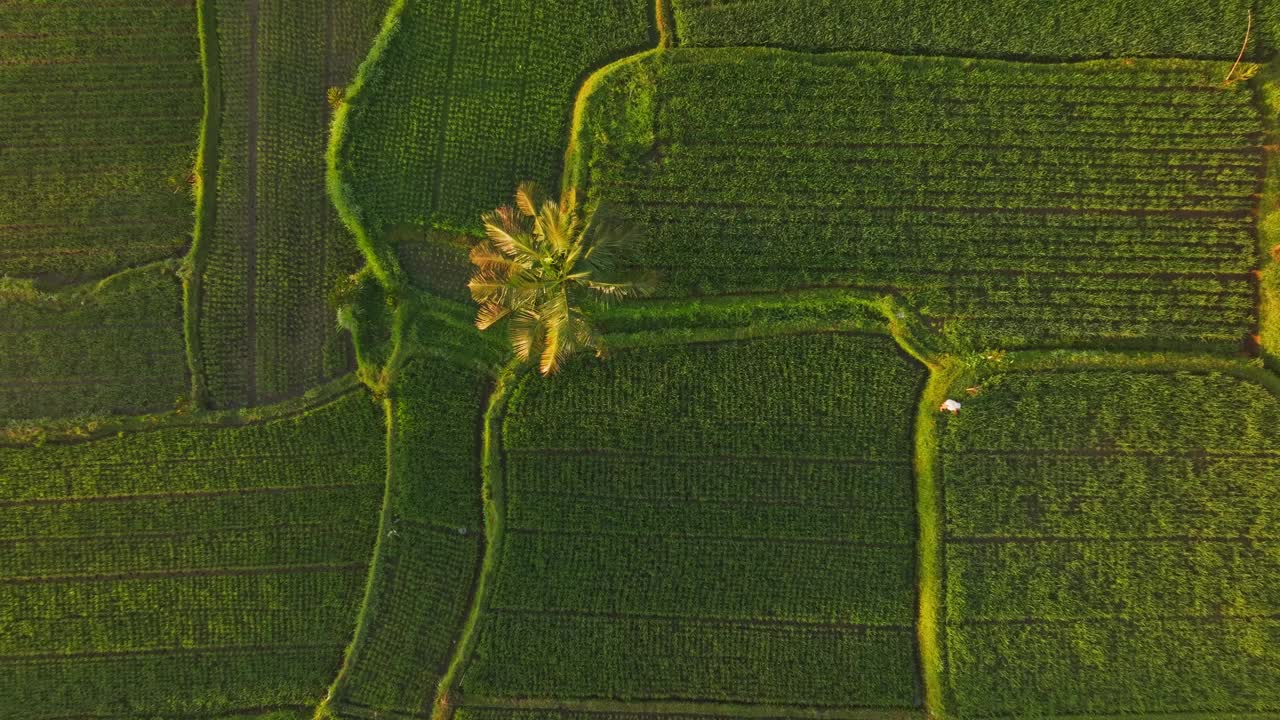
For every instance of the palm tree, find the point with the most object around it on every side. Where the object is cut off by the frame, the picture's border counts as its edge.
(537, 264)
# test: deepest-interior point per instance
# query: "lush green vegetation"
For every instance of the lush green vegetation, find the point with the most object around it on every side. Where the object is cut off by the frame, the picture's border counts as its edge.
(113, 346)
(1040, 29)
(1111, 545)
(190, 569)
(751, 507)
(428, 557)
(471, 97)
(276, 247)
(101, 105)
(726, 522)
(1092, 203)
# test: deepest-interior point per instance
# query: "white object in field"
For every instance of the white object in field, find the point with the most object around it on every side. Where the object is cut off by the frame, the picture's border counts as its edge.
(950, 406)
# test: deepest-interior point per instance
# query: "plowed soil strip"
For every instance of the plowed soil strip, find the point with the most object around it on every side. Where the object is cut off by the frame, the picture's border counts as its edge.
(188, 572)
(602, 452)
(1009, 540)
(180, 495)
(757, 540)
(1198, 619)
(1122, 452)
(228, 650)
(702, 620)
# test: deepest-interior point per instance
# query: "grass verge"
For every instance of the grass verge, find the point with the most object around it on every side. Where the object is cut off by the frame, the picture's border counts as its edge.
(380, 257)
(326, 710)
(205, 174)
(943, 375)
(494, 526)
(21, 433)
(1267, 87)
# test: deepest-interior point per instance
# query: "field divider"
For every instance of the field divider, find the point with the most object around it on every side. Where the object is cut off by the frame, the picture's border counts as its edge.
(379, 255)
(576, 161)
(1267, 95)
(658, 708)
(377, 566)
(494, 500)
(930, 561)
(73, 430)
(206, 182)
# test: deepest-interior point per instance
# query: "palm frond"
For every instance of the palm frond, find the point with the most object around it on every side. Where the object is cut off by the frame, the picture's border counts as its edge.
(490, 313)
(508, 236)
(528, 198)
(554, 227)
(527, 333)
(557, 318)
(486, 284)
(486, 256)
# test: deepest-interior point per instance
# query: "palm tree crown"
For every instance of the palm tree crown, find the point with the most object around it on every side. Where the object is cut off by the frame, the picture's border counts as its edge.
(538, 262)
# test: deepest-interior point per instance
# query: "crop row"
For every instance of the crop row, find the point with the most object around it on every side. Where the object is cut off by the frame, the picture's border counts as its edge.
(638, 573)
(336, 444)
(494, 713)
(1220, 577)
(663, 495)
(1042, 29)
(928, 176)
(671, 407)
(1020, 494)
(464, 106)
(176, 515)
(1110, 544)
(420, 598)
(718, 521)
(549, 655)
(1134, 666)
(191, 612)
(169, 683)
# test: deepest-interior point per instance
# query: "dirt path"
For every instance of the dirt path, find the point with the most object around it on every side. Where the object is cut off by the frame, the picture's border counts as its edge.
(251, 221)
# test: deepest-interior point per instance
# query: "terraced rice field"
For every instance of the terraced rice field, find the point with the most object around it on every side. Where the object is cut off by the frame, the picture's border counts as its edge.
(112, 346)
(97, 131)
(1112, 546)
(101, 106)
(1016, 204)
(275, 248)
(190, 569)
(258, 481)
(668, 539)
(1015, 29)
(466, 105)
(430, 558)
